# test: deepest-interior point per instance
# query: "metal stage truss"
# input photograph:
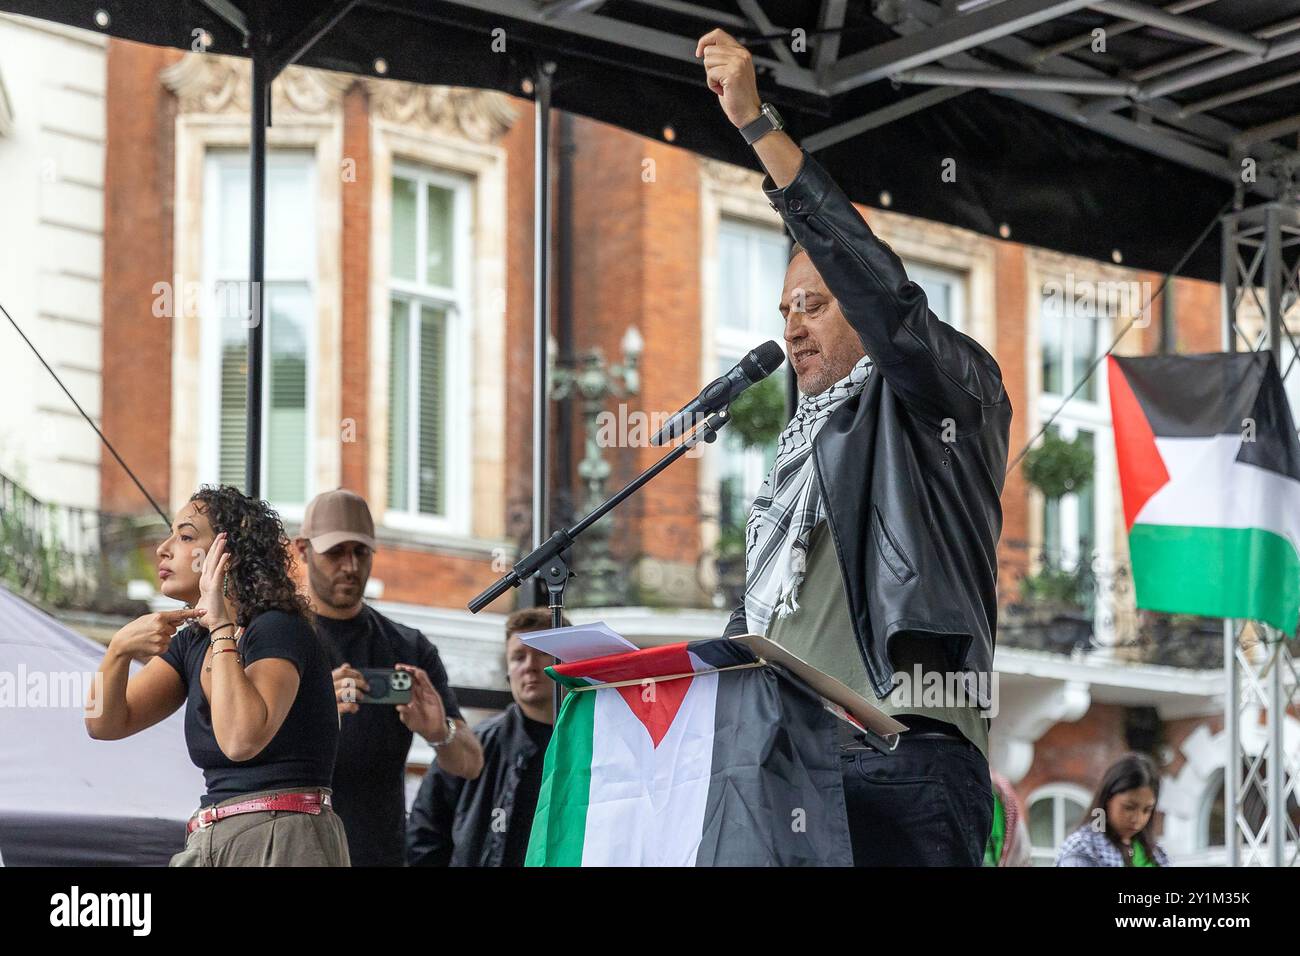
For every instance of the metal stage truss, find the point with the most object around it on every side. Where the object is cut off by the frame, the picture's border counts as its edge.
(1261, 310)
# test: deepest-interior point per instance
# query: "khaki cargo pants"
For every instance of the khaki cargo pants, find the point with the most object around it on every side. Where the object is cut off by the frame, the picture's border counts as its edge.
(268, 838)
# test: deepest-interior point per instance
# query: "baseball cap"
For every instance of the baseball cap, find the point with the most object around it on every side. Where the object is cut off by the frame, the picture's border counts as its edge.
(336, 516)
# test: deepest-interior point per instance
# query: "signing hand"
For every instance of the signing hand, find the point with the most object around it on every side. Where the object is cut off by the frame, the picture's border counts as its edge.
(151, 635)
(730, 72)
(425, 714)
(212, 580)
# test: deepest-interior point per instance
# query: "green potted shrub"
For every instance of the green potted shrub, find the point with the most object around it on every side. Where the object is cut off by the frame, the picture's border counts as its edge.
(1056, 599)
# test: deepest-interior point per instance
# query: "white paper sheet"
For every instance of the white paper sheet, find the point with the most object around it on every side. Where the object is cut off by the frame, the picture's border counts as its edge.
(579, 643)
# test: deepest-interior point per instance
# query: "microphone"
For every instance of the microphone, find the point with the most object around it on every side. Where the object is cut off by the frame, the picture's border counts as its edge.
(721, 392)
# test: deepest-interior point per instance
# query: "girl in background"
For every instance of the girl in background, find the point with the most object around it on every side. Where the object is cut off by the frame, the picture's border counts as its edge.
(1117, 828)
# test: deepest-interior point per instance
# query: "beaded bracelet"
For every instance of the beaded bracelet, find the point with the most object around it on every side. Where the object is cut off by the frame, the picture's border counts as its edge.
(225, 650)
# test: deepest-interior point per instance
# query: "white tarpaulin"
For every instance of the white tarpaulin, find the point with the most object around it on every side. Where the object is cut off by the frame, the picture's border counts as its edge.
(65, 798)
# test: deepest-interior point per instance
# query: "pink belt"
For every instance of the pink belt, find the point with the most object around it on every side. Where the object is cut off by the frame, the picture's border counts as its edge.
(310, 802)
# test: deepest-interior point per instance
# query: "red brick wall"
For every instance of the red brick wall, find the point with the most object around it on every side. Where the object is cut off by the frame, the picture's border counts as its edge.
(1147, 338)
(355, 267)
(636, 251)
(670, 320)
(421, 577)
(1010, 307)
(139, 173)
(1077, 752)
(518, 143)
(426, 577)
(1198, 316)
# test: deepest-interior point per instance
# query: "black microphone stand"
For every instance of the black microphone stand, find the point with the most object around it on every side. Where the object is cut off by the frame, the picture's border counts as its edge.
(546, 561)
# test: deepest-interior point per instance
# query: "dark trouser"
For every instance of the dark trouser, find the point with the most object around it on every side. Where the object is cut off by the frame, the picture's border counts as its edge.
(268, 838)
(929, 803)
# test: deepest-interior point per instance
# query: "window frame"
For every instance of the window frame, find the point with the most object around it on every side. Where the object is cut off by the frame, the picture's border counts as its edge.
(728, 346)
(1093, 416)
(1205, 810)
(1056, 792)
(216, 159)
(455, 302)
(956, 280)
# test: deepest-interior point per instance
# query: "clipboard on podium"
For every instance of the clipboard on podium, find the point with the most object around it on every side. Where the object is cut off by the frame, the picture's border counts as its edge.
(587, 640)
(881, 730)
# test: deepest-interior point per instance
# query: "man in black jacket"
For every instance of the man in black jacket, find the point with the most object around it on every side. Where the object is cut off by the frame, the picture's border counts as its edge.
(871, 549)
(487, 821)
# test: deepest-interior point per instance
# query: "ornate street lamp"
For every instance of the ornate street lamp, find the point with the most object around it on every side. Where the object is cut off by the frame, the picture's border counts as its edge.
(593, 381)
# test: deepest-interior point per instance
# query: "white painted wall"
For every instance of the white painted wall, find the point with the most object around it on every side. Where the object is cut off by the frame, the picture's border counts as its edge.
(51, 255)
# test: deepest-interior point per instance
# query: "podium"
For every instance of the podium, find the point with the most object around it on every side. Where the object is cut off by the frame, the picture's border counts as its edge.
(721, 752)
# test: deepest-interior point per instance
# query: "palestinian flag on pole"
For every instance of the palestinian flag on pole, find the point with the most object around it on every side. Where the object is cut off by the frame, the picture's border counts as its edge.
(1209, 468)
(688, 764)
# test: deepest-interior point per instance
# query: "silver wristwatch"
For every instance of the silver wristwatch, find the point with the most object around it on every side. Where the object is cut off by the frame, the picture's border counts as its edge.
(768, 121)
(451, 735)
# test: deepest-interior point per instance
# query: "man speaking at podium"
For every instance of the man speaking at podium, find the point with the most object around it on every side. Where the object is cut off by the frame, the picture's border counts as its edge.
(871, 548)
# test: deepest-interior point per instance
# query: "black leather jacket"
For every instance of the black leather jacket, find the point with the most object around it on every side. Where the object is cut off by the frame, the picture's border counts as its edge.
(451, 820)
(912, 469)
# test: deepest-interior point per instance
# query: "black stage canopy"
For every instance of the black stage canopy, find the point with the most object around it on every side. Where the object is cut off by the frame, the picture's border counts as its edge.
(1126, 141)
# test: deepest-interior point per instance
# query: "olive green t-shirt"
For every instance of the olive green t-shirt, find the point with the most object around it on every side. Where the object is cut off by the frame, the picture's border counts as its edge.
(821, 632)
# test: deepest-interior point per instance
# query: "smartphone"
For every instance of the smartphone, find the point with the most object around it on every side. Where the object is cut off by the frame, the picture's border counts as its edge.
(388, 685)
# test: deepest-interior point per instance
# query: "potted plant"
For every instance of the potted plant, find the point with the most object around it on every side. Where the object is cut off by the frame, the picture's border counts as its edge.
(759, 414)
(1057, 605)
(1058, 467)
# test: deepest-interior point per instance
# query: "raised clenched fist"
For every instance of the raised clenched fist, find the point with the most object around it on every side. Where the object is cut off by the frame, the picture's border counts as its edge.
(729, 69)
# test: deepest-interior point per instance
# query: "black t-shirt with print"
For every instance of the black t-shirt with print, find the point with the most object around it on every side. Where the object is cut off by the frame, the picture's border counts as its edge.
(301, 754)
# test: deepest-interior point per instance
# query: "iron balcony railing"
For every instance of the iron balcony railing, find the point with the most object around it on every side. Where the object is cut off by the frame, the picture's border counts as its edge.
(74, 558)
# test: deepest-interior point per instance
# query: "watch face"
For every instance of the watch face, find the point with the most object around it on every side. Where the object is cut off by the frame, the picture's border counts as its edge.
(774, 116)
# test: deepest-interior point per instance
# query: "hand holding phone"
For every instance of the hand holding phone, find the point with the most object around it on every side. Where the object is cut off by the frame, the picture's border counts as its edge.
(387, 685)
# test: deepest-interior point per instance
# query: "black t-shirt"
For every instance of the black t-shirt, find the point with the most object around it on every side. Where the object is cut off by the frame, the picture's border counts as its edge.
(369, 775)
(301, 754)
(525, 802)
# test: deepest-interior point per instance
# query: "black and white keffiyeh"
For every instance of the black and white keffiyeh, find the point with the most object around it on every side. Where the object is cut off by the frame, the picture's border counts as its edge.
(788, 507)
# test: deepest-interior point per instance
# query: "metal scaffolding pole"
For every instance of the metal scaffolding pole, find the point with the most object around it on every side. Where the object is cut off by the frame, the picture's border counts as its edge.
(261, 96)
(267, 62)
(541, 335)
(541, 296)
(1261, 254)
(1231, 704)
(1276, 699)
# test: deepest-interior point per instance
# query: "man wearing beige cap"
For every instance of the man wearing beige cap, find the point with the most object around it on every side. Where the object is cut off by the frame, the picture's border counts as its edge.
(337, 546)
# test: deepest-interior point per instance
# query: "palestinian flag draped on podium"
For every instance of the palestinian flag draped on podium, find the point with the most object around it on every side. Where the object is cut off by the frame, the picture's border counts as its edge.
(1209, 468)
(703, 755)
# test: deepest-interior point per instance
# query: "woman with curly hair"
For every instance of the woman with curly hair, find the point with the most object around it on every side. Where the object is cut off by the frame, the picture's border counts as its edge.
(260, 718)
